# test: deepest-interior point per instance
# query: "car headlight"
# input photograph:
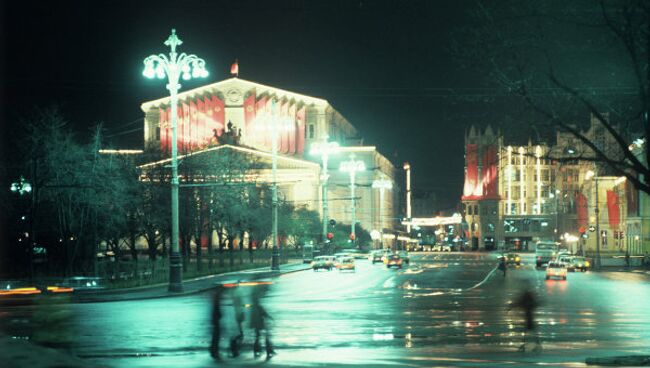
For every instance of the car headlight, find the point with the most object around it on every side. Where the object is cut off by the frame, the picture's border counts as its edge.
(516, 259)
(587, 264)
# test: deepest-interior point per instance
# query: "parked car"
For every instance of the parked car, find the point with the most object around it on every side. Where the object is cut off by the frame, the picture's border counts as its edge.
(83, 283)
(566, 260)
(580, 263)
(394, 261)
(323, 263)
(556, 269)
(346, 264)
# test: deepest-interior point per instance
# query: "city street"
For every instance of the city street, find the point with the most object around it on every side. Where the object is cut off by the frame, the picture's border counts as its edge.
(446, 309)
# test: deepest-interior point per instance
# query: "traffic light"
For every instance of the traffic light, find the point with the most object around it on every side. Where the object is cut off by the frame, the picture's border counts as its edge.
(332, 222)
(352, 237)
(330, 236)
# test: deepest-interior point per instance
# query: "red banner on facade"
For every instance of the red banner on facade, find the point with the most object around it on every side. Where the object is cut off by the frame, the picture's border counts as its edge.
(300, 130)
(184, 133)
(162, 124)
(202, 122)
(292, 133)
(471, 174)
(218, 115)
(194, 127)
(489, 179)
(249, 115)
(283, 131)
(582, 209)
(613, 209)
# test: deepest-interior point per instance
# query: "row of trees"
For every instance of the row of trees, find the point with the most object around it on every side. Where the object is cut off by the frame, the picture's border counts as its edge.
(84, 203)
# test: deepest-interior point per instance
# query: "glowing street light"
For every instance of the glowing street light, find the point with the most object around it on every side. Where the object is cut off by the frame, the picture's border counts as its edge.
(275, 125)
(352, 167)
(382, 184)
(173, 67)
(407, 167)
(324, 149)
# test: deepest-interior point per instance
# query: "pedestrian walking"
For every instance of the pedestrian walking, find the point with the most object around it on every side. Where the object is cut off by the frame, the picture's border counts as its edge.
(238, 307)
(216, 322)
(503, 265)
(528, 303)
(260, 323)
(627, 259)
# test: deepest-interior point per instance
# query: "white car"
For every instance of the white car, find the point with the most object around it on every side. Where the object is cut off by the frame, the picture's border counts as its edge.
(556, 269)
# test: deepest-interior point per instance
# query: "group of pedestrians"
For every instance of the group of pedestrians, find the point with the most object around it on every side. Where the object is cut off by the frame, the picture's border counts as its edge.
(259, 321)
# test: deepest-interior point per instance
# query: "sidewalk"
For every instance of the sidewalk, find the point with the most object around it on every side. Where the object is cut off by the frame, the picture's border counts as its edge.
(191, 286)
(22, 353)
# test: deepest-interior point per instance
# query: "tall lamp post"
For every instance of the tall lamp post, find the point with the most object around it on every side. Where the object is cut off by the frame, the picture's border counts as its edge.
(382, 184)
(324, 149)
(352, 166)
(275, 125)
(173, 67)
(592, 174)
(407, 167)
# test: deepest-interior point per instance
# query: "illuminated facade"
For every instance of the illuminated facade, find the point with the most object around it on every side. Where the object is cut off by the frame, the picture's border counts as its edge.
(237, 113)
(514, 196)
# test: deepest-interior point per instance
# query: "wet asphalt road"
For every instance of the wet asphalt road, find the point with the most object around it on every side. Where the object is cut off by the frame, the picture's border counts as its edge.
(446, 309)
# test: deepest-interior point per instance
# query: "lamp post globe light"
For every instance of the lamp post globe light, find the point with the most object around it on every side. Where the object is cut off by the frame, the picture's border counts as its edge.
(324, 149)
(382, 184)
(173, 67)
(352, 166)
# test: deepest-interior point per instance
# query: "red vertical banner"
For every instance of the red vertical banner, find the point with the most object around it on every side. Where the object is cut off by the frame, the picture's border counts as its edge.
(292, 132)
(162, 123)
(249, 115)
(283, 134)
(613, 209)
(471, 173)
(194, 117)
(257, 133)
(219, 115)
(201, 131)
(168, 131)
(582, 209)
(300, 130)
(489, 179)
(184, 132)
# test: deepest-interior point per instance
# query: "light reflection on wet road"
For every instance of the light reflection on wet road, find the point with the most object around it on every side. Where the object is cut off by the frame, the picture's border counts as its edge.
(427, 314)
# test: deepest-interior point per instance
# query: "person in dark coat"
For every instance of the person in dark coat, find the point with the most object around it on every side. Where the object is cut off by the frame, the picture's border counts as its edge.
(216, 322)
(238, 307)
(259, 322)
(528, 303)
(503, 265)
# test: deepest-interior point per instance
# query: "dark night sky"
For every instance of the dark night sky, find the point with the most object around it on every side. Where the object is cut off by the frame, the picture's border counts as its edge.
(385, 65)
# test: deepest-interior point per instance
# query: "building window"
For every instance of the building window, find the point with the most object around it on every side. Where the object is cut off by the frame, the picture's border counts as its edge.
(310, 131)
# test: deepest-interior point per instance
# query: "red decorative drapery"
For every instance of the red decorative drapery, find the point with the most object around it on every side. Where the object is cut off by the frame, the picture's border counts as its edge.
(582, 209)
(613, 209)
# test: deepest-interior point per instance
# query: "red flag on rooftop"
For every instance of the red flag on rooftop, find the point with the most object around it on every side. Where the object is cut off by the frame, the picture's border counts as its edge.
(234, 68)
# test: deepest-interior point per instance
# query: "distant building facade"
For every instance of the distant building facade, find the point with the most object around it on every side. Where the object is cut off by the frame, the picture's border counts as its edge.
(239, 113)
(515, 196)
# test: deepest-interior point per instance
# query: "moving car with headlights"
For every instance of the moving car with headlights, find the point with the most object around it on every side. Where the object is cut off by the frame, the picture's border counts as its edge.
(404, 255)
(566, 260)
(323, 263)
(346, 264)
(513, 258)
(580, 263)
(377, 255)
(394, 260)
(545, 252)
(556, 269)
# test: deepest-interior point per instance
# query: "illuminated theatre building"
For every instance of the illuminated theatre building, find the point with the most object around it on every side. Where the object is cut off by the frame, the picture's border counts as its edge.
(237, 115)
(514, 196)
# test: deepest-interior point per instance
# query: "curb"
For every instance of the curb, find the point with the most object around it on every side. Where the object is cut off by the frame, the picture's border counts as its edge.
(97, 298)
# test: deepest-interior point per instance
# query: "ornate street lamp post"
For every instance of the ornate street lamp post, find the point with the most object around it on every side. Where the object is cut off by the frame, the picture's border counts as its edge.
(382, 184)
(352, 167)
(324, 149)
(173, 67)
(407, 168)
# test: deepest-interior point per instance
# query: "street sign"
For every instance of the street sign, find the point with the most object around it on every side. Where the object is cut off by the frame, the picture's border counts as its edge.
(592, 228)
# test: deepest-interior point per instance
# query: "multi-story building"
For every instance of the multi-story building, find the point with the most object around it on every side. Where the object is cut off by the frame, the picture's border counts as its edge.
(515, 195)
(236, 114)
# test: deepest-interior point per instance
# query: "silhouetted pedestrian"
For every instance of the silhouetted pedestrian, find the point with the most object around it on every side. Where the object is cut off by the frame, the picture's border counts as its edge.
(627, 259)
(528, 303)
(216, 322)
(259, 323)
(503, 265)
(236, 341)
